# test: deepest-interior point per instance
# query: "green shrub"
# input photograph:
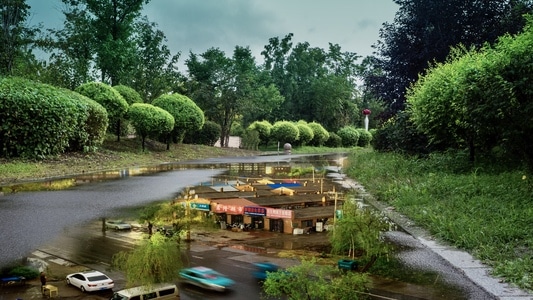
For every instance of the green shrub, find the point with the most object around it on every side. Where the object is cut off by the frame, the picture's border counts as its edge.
(129, 94)
(110, 99)
(187, 115)
(149, 120)
(38, 119)
(26, 272)
(334, 141)
(349, 136)
(251, 140)
(364, 138)
(264, 129)
(208, 135)
(285, 132)
(320, 135)
(306, 133)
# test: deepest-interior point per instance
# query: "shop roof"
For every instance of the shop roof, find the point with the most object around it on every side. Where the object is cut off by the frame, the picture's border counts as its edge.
(314, 212)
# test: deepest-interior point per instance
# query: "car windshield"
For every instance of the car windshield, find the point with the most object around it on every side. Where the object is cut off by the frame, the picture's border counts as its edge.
(118, 296)
(97, 278)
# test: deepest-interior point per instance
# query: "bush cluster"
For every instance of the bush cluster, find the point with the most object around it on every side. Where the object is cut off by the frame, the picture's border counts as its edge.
(39, 120)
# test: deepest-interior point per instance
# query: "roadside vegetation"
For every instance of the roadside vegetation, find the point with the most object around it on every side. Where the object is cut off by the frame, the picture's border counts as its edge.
(484, 208)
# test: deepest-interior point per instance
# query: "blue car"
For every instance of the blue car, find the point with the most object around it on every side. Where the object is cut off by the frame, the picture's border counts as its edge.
(261, 269)
(206, 278)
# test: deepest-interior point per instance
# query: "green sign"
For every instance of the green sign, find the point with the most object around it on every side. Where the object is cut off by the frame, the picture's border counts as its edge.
(200, 206)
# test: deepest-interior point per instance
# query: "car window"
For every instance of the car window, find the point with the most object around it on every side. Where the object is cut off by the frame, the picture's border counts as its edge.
(150, 296)
(79, 276)
(135, 298)
(166, 292)
(97, 278)
(118, 296)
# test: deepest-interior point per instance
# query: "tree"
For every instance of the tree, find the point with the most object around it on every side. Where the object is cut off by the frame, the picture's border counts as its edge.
(309, 280)
(349, 136)
(223, 87)
(155, 260)
(110, 99)
(423, 32)
(284, 132)
(129, 94)
(263, 129)
(359, 231)
(317, 85)
(149, 120)
(306, 134)
(320, 134)
(110, 26)
(154, 72)
(15, 37)
(187, 115)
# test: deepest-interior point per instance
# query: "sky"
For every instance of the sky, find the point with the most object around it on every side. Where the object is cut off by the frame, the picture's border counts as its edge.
(197, 25)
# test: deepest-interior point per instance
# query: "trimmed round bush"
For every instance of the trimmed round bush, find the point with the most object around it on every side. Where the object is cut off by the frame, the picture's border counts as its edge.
(129, 94)
(365, 137)
(187, 115)
(349, 136)
(334, 140)
(263, 128)
(208, 135)
(284, 132)
(37, 119)
(306, 133)
(110, 99)
(149, 120)
(320, 135)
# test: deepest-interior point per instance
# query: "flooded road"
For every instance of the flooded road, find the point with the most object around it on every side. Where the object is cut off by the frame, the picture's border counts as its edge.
(33, 217)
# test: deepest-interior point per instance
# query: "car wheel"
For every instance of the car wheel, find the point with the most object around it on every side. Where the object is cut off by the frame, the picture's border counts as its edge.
(68, 281)
(116, 228)
(82, 289)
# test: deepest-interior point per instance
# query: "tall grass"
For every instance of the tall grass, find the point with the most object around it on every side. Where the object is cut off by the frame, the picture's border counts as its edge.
(485, 209)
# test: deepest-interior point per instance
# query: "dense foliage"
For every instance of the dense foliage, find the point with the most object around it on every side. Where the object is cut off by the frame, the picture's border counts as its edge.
(208, 135)
(187, 115)
(423, 31)
(150, 121)
(284, 132)
(110, 99)
(40, 120)
(480, 99)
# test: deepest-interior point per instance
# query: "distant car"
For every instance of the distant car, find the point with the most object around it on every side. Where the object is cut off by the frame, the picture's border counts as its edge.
(117, 225)
(262, 269)
(90, 281)
(206, 278)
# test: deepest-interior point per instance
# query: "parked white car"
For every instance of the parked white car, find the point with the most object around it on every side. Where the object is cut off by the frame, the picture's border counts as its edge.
(117, 225)
(90, 281)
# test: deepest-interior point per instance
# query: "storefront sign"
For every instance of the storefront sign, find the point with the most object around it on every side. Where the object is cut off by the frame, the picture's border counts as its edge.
(200, 206)
(229, 209)
(255, 211)
(275, 213)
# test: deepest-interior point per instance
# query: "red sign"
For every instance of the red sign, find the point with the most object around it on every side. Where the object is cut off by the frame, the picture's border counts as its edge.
(229, 209)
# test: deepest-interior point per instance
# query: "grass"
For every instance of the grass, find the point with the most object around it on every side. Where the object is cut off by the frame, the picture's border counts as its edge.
(483, 209)
(112, 155)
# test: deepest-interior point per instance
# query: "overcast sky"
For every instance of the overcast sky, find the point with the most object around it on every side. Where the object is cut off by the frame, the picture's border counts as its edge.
(197, 25)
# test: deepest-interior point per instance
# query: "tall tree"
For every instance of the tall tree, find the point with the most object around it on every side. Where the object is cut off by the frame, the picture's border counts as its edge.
(223, 86)
(111, 23)
(154, 72)
(317, 85)
(15, 36)
(423, 32)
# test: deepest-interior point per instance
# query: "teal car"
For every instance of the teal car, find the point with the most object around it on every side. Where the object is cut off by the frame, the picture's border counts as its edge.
(206, 278)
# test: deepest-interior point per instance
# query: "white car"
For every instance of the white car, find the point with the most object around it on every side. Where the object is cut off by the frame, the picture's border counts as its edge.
(90, 281)
(117, 225)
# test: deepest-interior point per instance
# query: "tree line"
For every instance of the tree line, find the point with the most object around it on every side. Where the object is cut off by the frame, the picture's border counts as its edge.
(112, 42)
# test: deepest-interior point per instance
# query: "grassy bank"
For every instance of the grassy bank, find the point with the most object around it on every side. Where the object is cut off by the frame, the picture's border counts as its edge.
(113, 155)
(484, 210)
